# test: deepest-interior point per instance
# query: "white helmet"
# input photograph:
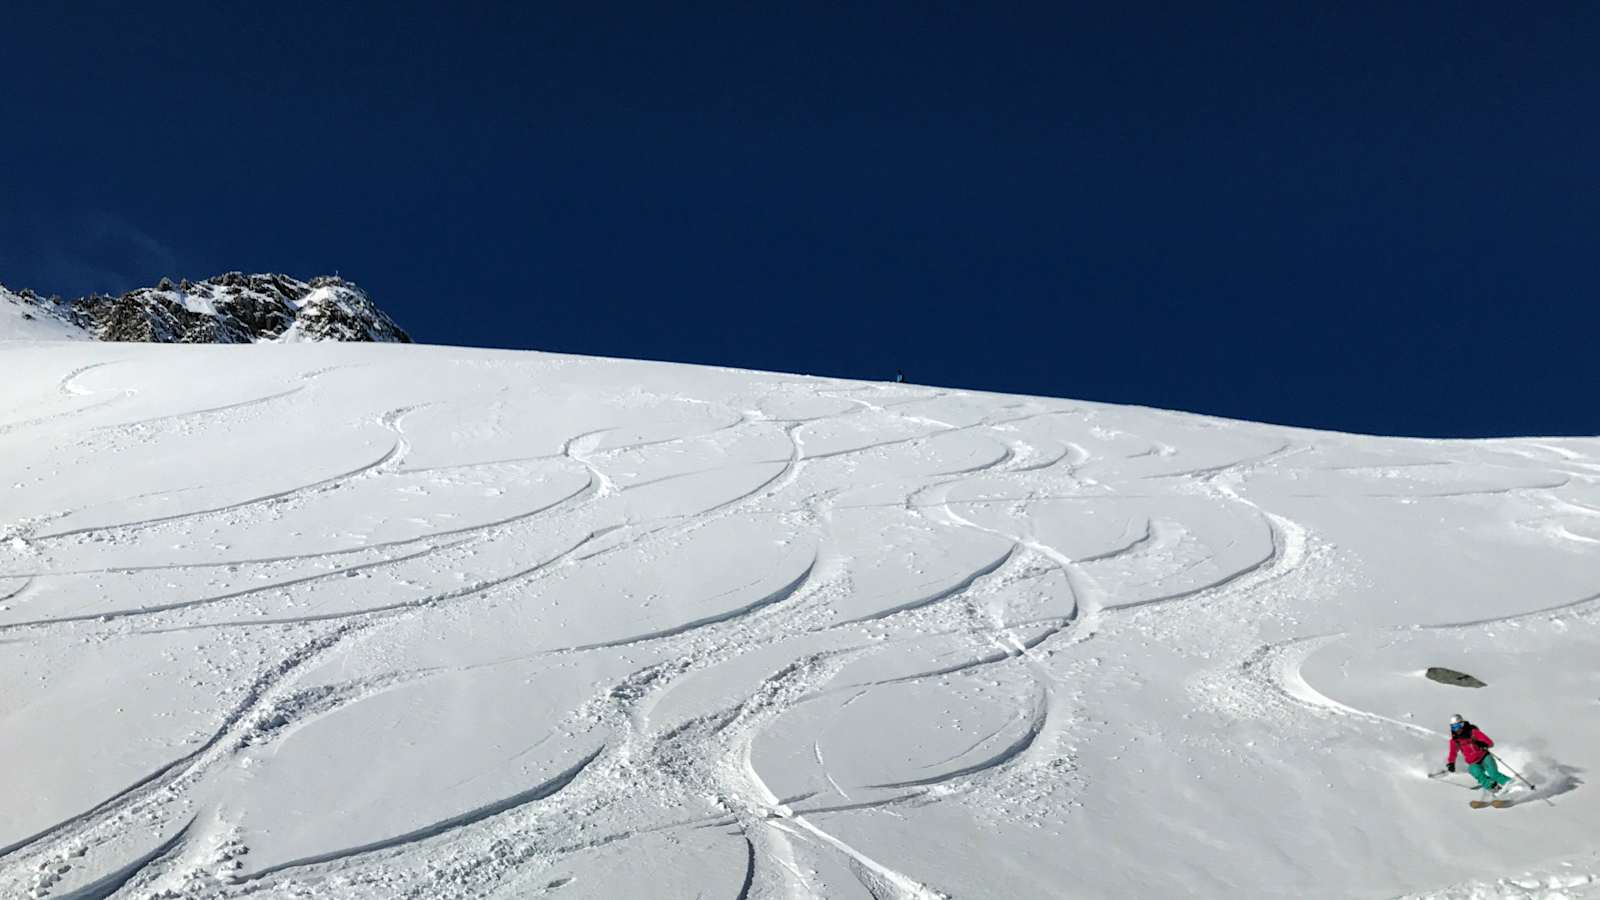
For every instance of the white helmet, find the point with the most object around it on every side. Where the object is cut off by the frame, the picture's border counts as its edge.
(1456, 719)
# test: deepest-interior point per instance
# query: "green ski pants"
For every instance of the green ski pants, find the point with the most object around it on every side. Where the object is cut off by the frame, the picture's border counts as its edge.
(1487, 773)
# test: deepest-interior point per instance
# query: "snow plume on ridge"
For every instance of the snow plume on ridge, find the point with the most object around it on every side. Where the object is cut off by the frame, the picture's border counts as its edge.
(232, 308)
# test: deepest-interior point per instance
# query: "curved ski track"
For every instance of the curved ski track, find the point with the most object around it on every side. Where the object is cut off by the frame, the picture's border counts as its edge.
(704, 759)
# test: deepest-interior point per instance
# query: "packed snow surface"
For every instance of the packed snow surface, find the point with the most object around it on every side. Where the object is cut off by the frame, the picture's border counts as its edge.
(293, 621)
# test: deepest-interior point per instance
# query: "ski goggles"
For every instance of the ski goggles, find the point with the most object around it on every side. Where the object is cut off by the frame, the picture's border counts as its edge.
(1457, 726)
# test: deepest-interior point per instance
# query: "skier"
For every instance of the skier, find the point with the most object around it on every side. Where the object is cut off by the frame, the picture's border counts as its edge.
(1473, 744)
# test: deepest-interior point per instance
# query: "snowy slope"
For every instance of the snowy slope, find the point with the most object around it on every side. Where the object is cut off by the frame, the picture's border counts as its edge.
(369, 621)
(31, 318)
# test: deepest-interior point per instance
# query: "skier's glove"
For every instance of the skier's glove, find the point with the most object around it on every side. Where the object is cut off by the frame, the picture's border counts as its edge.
(1449, 767)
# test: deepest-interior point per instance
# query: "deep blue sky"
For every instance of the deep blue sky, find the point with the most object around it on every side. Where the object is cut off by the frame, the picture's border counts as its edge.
(1373, 217)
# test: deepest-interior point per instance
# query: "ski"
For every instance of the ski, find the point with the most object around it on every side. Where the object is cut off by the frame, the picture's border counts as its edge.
(1497, 799)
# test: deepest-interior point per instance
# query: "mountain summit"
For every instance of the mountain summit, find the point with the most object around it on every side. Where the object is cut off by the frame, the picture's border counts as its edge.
(233, 308)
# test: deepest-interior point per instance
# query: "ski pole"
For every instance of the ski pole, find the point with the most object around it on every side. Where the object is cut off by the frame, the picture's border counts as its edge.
(1439, 777)
(1513, 771)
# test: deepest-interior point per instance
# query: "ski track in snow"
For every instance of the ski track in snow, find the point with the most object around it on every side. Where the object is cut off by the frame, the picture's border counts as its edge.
(1042, 546)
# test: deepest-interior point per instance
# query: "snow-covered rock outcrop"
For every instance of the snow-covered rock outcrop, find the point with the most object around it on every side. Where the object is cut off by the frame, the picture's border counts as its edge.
(228, 309)
(25, 316)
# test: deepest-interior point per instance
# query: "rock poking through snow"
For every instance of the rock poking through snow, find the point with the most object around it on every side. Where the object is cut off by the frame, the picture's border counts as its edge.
(1452, 677)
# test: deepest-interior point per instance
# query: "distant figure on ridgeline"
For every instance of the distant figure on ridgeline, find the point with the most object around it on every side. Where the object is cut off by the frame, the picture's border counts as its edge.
(1469, 741)
(899, 377)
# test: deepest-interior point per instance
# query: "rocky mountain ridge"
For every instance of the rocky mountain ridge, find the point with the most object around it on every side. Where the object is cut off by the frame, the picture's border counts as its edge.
(232, 308)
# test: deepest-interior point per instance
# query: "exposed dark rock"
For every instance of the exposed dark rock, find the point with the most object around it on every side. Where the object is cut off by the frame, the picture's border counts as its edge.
(232, 308)
(1452, 677)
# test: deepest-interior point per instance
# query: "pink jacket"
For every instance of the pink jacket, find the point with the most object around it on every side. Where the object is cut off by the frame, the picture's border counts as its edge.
(1473, 744)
